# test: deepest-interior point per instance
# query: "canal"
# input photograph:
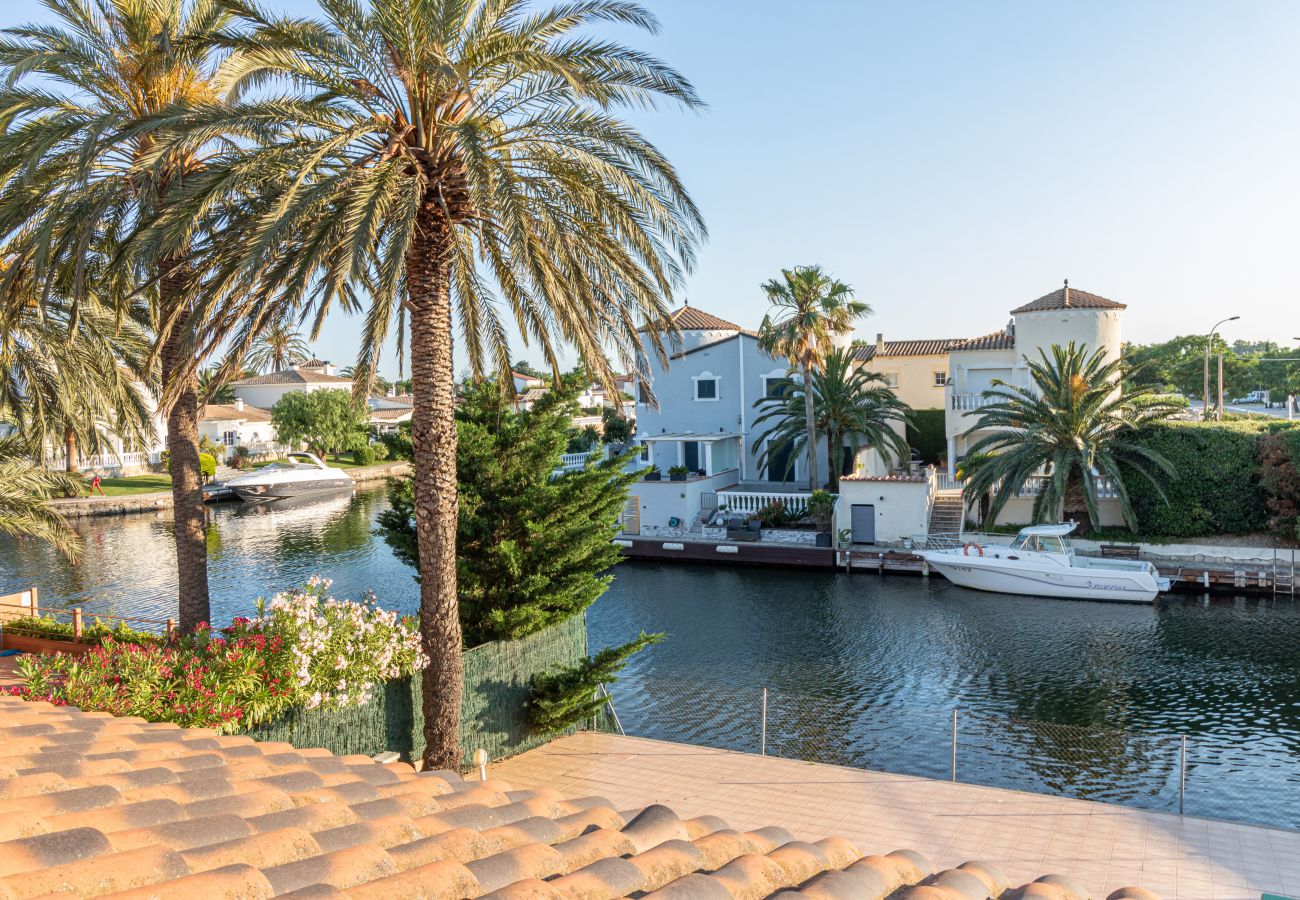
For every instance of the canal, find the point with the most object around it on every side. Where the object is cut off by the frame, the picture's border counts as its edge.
(1086, 699)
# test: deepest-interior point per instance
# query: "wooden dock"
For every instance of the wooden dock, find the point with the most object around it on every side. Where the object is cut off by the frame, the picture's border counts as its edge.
(1186, 577)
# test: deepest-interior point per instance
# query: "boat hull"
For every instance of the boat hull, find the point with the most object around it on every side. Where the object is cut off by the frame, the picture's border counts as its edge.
(283, 490)
(1063, 582)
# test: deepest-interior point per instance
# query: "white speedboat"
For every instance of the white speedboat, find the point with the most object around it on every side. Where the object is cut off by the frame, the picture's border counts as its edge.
(298, 475)
(1041, 563)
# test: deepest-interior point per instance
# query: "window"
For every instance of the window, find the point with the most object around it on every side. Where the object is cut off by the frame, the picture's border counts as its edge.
(642, 395)
(776, 386)
(230, 438)
(891, 379)
(940, 379)
(706, 388)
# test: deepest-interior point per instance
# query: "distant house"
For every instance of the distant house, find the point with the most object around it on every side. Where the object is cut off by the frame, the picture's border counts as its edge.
(525, 382)
(387, 413)
(262, 391)
(238, 425)
(916, 371)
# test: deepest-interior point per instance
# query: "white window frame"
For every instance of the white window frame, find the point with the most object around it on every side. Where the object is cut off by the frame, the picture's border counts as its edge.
(891, 379)
(940, 378)
(230, 438)
(717, 387)
(770, 377)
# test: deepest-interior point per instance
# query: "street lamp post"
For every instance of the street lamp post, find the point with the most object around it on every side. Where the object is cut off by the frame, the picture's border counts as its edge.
(1209, 339)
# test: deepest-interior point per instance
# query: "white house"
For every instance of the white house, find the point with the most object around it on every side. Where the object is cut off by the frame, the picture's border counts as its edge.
(238, 425)
(262, 391)
(387, 413)
(1065, 315)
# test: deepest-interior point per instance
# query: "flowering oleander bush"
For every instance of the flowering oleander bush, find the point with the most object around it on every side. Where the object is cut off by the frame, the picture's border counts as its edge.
(302, 649)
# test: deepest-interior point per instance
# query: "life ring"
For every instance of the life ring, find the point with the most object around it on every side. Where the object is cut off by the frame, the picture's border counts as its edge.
(965, 548)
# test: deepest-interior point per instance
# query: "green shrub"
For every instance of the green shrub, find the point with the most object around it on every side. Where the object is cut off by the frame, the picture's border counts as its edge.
(1217, 486)
(399, 442)
(926, 435)
(570, 695)
(364, 456)
(1279, 457)
(50, 628)
(207, 465)
(380, 449)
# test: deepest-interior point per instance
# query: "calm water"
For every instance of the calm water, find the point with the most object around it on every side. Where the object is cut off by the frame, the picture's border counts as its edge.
(1080, 698)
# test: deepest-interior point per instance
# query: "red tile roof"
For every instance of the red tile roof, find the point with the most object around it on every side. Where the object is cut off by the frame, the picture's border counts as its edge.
(293, 376)
(96, 805)
(690, 318)
(1067, 298)
(219, 412)
(998, 340)
(929, 347)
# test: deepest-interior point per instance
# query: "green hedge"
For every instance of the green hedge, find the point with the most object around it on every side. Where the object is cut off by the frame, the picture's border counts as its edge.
(1217, 488)
(926, 435)
(494, 712)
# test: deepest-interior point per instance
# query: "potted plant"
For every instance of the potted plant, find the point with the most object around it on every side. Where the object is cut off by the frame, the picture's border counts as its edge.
(653, 474)
(846, 538)
(821, 508)
(678, 473)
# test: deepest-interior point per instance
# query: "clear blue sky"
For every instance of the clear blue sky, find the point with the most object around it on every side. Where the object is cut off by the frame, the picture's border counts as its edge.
(952, 160)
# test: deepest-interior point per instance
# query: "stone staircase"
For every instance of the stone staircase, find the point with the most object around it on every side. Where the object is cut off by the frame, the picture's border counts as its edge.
(948, 513)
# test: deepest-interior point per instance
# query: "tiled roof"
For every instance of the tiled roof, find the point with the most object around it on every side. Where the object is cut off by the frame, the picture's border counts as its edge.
(390, 413)
(218, 412)
(98, 806)
(314, 363)
(998, 340)
(930, 347)
(690, 318)
(890, 478)
(536, 393)
(293, 376)
(1067, 298)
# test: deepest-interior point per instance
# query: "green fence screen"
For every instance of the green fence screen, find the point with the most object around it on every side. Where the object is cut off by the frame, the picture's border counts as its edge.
(494, 711)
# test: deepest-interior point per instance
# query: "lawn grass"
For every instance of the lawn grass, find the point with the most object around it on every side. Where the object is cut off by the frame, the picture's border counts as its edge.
(135, 484)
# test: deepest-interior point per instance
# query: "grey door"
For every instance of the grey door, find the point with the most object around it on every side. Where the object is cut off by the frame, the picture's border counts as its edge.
(863, 519)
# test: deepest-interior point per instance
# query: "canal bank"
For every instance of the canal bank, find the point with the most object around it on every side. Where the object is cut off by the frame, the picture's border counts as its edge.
(1189, 567)
(81, 507)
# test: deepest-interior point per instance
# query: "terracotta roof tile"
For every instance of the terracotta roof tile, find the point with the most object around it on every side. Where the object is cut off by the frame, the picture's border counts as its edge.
(1067, 298)
(998, 340)
(691, 318)
(218, 412)
(292, 376)
(925, 347)
(184, 814)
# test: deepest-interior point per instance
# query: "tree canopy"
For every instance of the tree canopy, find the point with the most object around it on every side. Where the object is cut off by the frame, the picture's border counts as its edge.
(326, 421)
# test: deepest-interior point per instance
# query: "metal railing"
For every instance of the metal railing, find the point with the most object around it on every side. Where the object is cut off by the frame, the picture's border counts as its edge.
(945, 482)
(1237, 778)
(27, 605)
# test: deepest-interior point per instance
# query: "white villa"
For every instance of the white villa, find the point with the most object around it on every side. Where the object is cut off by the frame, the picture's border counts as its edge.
(703, 418)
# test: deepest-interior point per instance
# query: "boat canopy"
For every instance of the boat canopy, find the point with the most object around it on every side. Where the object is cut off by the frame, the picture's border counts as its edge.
(1060, 530)
(311, 459)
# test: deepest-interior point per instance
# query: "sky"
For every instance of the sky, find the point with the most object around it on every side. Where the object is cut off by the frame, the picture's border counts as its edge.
(954, 160)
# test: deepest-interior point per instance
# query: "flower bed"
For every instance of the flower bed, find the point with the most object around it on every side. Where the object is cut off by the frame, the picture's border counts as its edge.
(48, 628)
(304, 649)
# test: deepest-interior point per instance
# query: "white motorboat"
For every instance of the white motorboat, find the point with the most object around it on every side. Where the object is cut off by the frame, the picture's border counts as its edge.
(298, 475)
(1041, 563)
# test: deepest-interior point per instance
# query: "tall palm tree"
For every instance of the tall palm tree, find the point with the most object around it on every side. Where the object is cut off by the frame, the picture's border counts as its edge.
(850, 405)
(809, 311)
(24, 489)
(277, 348)
(81, 166)
(75, 379)
(464, 162)
(1076, 424)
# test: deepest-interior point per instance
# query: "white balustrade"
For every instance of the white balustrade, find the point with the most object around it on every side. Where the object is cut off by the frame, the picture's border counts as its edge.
(796, 505)
(966, 402)
(1035, 485)
(572, 461)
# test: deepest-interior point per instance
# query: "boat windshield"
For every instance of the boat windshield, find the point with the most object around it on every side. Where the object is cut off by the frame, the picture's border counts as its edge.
(1041, 543)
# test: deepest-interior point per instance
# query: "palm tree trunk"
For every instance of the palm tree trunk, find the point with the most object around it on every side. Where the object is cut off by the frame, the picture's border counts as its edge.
(834, 460)
(188, 514)
(433, 439)
(1075, 504)
(69, 450)
(810, 424)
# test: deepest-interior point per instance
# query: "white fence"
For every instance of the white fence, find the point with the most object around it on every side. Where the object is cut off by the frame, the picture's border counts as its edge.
(751, 502)
(945, 482)
(1034, 486)
(109, 461)
(970, 401)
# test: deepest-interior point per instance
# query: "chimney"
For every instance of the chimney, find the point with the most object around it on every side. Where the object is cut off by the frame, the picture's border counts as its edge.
(328, 368)
(239, 404)
(1067, 292)
(880, 343)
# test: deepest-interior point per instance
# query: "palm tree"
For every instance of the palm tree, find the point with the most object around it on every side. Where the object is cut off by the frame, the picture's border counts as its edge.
(445, 154)
(75, 379)
(849, 404)
(82, 167)
(24, 489)
(277, 348)
(1077, 425)
(810, 310)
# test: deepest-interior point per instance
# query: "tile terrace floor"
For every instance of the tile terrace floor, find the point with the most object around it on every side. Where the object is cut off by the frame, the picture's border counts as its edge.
(1101, 846)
